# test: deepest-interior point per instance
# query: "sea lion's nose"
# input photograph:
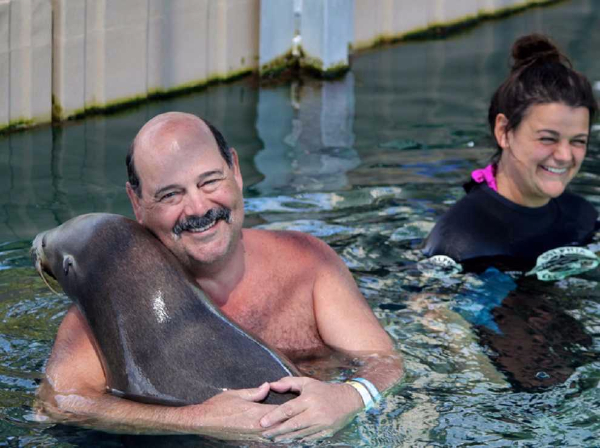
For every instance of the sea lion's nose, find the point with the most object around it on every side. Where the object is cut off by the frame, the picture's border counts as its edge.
(33, 255)
(39, 242)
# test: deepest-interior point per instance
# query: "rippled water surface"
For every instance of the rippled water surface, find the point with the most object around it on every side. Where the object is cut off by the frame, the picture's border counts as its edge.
(366, 163)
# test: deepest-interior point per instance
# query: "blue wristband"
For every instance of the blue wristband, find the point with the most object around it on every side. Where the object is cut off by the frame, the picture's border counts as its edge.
(370, 386)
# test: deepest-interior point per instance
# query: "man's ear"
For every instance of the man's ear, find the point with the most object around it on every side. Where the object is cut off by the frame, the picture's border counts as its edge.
(135, 203)
(237, 173)
(500, 131)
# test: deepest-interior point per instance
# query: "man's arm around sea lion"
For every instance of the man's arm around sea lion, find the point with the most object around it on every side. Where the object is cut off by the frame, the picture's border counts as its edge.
(335, 312)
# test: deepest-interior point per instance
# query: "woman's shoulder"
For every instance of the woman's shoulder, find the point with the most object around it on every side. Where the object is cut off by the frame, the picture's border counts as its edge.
(471, 223)
(480, 207)
(571, 202)
(579, 216)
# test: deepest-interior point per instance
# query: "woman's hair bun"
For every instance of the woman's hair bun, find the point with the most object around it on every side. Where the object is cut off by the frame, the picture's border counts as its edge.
(535, 48)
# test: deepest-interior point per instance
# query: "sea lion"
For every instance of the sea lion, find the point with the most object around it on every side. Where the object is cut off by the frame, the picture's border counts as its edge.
(159, 337)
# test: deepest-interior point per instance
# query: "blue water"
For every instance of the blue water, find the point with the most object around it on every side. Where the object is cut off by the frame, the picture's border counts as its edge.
(366, 163)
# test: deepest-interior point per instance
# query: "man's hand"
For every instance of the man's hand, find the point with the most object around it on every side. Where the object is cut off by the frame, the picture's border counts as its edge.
(320, 410)
(236, 410)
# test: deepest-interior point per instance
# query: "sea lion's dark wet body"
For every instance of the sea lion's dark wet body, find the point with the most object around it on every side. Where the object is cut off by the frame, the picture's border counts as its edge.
(159, 338)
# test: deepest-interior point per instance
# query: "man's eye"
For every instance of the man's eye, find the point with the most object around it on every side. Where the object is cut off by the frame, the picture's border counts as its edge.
(548, 140)
(579, 142)
(211, 182)
(167, 196)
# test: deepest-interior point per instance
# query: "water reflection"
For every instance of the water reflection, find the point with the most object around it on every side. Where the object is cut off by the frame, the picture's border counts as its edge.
(308, 137)
(406, 115)
(537, 344)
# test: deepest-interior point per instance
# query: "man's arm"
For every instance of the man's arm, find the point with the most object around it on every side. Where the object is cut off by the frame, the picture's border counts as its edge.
(75, 391)
(346, 323)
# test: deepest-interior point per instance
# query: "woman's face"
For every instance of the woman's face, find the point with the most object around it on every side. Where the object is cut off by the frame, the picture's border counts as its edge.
(541, 156)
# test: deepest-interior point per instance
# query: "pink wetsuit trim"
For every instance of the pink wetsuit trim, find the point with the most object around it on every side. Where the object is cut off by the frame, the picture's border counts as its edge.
(487, 174)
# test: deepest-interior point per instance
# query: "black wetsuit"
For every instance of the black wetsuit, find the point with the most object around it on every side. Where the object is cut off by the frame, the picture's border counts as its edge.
(485, 229)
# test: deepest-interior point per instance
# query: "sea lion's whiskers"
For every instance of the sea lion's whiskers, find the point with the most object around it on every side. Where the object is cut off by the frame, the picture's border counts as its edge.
(40, 271)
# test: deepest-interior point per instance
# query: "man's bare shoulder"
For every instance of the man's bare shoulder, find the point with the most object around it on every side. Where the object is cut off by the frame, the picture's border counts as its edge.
(289, 243)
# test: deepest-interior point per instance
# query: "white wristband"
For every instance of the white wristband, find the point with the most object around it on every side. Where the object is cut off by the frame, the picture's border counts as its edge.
(364, 393)
(371, 387)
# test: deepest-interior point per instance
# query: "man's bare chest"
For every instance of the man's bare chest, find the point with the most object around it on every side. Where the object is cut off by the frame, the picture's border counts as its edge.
(285, 321)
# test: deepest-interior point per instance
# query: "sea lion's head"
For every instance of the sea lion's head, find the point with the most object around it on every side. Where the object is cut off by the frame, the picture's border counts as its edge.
(56, 252)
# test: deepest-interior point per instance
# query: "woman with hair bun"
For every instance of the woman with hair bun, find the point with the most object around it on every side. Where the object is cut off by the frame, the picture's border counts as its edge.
(517, 208)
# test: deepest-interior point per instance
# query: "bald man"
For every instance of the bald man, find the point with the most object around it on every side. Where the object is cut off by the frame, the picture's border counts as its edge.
(288, 288)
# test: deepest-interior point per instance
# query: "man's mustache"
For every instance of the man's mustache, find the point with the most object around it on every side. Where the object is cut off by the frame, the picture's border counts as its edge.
(196, 222)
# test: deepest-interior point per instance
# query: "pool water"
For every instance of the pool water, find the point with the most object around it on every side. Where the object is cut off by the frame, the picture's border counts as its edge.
(367, 163)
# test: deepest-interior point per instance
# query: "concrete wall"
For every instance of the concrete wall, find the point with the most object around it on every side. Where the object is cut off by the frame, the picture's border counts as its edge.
(327, 32)
(25, 62)
(62, 58)
(108, 51)
(277, 31)
(389, 20)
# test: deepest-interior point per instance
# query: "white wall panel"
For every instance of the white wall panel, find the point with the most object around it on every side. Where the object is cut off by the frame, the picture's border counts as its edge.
(327, 28)
(277, 30)
(4, 63)
(177, 43)
(25, 62)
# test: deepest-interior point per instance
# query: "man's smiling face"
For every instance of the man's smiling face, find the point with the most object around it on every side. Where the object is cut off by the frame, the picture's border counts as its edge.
(190, 198)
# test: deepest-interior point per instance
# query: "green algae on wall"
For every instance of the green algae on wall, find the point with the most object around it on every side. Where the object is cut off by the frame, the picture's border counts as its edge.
(314, 66)
(20, 123)
(196, 85)
(279, 64)
(508, 10)
(443, 29)
(93, 108)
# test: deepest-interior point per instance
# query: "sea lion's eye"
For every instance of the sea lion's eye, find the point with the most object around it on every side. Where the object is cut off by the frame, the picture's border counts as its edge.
(67, 263)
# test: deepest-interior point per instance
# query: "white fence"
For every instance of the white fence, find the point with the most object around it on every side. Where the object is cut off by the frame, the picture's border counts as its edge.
(62, 58)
